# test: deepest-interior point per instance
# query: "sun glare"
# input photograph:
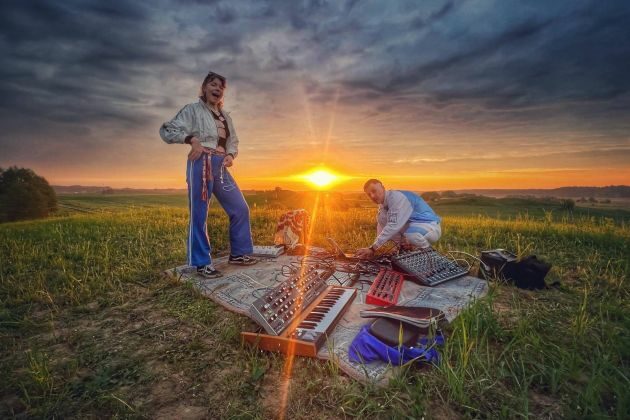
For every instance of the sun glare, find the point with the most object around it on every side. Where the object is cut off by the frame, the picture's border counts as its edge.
(321, 178)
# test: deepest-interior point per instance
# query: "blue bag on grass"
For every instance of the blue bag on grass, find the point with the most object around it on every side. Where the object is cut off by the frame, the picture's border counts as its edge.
(366, 348)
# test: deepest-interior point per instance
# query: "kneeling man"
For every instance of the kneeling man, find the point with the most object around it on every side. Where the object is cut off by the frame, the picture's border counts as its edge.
(403, 217)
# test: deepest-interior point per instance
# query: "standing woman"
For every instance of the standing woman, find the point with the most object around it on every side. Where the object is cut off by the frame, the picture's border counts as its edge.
(209, 131)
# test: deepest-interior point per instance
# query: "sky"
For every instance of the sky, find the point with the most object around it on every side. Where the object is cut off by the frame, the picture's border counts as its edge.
(421, 94)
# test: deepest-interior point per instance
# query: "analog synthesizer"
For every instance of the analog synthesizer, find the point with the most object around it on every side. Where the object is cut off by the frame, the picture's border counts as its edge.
(299, 313)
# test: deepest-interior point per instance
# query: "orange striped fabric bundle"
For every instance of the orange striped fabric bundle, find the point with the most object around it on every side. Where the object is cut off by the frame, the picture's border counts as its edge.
(292, 229)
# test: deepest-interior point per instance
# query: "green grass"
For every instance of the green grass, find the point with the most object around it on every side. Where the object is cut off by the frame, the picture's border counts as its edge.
(87, 203)
(514, 208)
(90, 328)
(499, 208)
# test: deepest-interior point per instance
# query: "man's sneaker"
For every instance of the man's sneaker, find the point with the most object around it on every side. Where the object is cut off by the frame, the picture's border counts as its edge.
(242, 260)
(208, 271)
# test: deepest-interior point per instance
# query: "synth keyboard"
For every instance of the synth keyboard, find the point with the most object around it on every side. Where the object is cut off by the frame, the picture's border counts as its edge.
(324, 314)
(428, 267)
(278, 308)
(300, 313)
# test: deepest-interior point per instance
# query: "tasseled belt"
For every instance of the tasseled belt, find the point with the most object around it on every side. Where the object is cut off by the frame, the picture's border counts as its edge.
(206, 173)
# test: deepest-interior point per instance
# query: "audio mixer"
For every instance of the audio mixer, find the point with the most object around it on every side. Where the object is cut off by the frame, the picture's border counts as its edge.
(428, 267)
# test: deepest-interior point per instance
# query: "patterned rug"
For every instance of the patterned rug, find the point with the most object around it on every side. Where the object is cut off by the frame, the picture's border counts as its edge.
(241, 286)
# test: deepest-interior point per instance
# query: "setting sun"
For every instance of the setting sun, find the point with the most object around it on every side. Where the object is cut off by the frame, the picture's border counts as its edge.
(321, 178)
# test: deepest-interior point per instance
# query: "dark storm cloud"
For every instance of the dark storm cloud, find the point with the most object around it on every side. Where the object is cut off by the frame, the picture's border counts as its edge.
(87, 68)
(575, 52)
(465, 57)
(76, 81)
(422, 21)
(75, 62)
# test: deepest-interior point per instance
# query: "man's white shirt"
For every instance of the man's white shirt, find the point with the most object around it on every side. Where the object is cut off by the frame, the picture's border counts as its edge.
(392, 216)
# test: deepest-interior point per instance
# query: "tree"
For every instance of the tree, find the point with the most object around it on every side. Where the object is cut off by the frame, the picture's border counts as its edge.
(431, 196)
(567, 204)
(24, 195)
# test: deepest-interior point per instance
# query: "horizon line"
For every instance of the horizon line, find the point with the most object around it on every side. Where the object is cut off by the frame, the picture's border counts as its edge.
(335, 190)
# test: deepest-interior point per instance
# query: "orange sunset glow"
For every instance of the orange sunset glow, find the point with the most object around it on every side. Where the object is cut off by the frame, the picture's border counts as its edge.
(321, 178)
(302, 175)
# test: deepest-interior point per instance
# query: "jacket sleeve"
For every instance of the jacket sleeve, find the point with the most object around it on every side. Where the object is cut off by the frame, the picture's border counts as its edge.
(399, 210)
(232, 143)
(381, 220)
(176, 130)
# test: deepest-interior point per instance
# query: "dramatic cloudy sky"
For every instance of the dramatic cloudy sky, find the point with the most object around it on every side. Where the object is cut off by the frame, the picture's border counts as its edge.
(424, 94)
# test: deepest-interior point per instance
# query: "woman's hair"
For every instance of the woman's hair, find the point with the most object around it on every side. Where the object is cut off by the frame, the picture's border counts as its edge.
(210, 77)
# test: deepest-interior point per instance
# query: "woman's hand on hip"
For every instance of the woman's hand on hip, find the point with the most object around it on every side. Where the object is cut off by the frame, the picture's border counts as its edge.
(195, 149)
(228, 161)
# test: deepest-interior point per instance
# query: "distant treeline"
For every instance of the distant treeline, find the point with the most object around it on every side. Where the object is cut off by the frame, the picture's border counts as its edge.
(83, 189)
(612, 191)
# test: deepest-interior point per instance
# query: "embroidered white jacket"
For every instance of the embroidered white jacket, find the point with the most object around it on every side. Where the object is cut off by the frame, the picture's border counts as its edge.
(196, 120)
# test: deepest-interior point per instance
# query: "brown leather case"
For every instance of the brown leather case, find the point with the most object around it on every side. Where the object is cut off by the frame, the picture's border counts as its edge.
(419, 313)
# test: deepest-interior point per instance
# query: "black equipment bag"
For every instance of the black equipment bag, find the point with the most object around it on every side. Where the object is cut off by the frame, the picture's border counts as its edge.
(495, 261)
(528, 273)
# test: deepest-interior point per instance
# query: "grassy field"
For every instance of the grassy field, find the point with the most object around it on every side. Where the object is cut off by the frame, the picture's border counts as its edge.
(500, 208)
(89, 328)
